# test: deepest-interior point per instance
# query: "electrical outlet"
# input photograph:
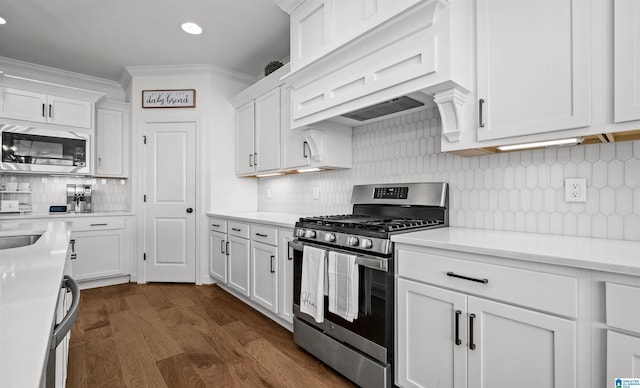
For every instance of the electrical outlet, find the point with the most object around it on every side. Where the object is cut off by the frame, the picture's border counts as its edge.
(575, 190)
(269, 193)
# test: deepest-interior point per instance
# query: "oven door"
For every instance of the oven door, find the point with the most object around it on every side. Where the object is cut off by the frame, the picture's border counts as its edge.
(372, 332)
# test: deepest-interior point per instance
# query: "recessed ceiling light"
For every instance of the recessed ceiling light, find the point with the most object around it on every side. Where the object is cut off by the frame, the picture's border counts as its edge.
(2, 21)
(191, 28)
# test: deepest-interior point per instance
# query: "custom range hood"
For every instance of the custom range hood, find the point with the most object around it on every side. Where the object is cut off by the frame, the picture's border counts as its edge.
(417, 57)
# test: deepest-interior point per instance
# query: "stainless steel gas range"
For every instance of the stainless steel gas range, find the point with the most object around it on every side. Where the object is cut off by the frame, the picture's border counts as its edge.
(358, 275)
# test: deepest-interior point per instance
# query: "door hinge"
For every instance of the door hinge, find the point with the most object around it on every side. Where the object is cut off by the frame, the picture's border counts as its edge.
(144, 198)
(144, 257)
(144, 139)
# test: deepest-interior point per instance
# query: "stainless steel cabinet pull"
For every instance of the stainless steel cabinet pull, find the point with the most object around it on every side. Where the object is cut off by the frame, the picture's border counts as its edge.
(454, 275)
(458, 341)
(215, 225)
(227, 246)
(50, 111)
(98, 224)
(221, 246)
(304, 149)
(481, 103)
(236, 230)
(250, 160)
(73, 245)
(271, 269)
(255, 159)
(43, 114)
(472, 346)
(261, 235)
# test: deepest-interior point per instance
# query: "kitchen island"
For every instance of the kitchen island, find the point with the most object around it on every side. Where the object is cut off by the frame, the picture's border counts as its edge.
(30, 279)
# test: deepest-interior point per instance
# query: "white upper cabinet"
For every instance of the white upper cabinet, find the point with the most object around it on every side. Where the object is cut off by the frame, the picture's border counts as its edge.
(112, 140)
(533, 67)
(267, 131)
(42, 108)
(245, 129)
(626, 60)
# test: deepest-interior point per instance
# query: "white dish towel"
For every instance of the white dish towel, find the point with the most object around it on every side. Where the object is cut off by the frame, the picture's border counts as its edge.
(312, 284)
(343, 285)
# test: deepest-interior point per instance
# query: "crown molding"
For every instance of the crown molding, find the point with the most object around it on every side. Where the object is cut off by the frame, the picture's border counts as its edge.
(289, 5)
(172, 70)
(60, 77)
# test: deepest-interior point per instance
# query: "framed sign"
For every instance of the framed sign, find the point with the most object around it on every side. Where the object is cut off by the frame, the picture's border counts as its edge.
(173, 98)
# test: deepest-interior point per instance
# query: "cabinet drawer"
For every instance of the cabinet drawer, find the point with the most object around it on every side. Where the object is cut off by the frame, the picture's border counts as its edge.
(557, 294)
(218, 225)
(622, 308)
(264, 234)
(103, 223)
(238, 229)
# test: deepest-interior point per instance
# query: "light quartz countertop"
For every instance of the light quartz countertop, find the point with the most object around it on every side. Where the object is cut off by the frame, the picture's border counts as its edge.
(283, 220)
(30, 279)
(618, 256)
(46, 216)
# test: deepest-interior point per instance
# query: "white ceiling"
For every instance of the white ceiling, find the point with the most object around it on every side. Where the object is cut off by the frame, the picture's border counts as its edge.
(101, 37)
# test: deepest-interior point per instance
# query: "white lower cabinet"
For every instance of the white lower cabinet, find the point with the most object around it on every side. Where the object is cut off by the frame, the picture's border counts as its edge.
(98, 248)
(476, 324)
(623, 357)
(252, 261)
(238, 262)
(449, 339)
(218, 256)
(285, 276)
(264, 275)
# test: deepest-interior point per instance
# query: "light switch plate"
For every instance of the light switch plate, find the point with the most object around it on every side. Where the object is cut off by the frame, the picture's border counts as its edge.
(575, 190)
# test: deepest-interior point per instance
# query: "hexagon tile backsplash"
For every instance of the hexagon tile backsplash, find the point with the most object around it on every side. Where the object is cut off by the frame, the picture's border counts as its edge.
(517, 191)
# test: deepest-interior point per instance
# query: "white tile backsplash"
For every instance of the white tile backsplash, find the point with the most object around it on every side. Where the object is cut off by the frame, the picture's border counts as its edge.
(107, 194)
(521, 191)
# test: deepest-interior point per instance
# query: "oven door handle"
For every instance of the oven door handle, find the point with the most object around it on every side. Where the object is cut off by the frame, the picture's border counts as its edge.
(377, 263)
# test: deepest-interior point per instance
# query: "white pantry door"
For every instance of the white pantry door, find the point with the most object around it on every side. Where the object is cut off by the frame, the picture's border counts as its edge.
(170, 189)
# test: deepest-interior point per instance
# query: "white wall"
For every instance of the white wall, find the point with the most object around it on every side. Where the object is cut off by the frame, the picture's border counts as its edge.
(521, 191)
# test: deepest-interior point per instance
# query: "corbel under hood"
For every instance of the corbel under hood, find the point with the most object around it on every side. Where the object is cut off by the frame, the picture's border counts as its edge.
(423, 53)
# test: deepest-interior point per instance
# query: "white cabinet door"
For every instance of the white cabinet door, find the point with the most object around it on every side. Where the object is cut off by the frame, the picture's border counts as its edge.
(533, 66)
(264, 275)
(626, 60)
(111, 146)
(285, 276)
(515, 345)
(37, 107)
(430, 320)
(69, 111)
(245, 126)
(294, 151)
(23, 105)
(238, 262)
(267, 115)
(98, 254)
(218, 256)
(623, 357)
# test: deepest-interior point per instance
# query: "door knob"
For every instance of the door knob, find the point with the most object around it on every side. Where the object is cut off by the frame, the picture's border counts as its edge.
(189, 210)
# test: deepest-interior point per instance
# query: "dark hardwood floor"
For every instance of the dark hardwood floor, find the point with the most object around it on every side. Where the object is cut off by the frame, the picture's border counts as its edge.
(182, 335)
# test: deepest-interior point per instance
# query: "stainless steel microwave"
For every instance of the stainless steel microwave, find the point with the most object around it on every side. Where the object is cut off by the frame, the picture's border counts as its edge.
(44, 151)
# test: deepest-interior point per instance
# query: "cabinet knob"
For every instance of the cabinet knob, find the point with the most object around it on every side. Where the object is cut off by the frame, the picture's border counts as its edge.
(189, 210)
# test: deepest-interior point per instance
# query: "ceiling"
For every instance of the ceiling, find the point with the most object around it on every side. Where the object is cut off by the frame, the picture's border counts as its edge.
(100, 37)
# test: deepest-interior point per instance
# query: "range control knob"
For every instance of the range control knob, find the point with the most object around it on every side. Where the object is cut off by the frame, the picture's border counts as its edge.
(330, 237)
(300, 233)
(310, 234)
(366, 243)
(353, 241)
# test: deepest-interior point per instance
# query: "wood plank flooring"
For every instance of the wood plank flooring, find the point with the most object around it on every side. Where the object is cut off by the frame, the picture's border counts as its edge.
(182, 335)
